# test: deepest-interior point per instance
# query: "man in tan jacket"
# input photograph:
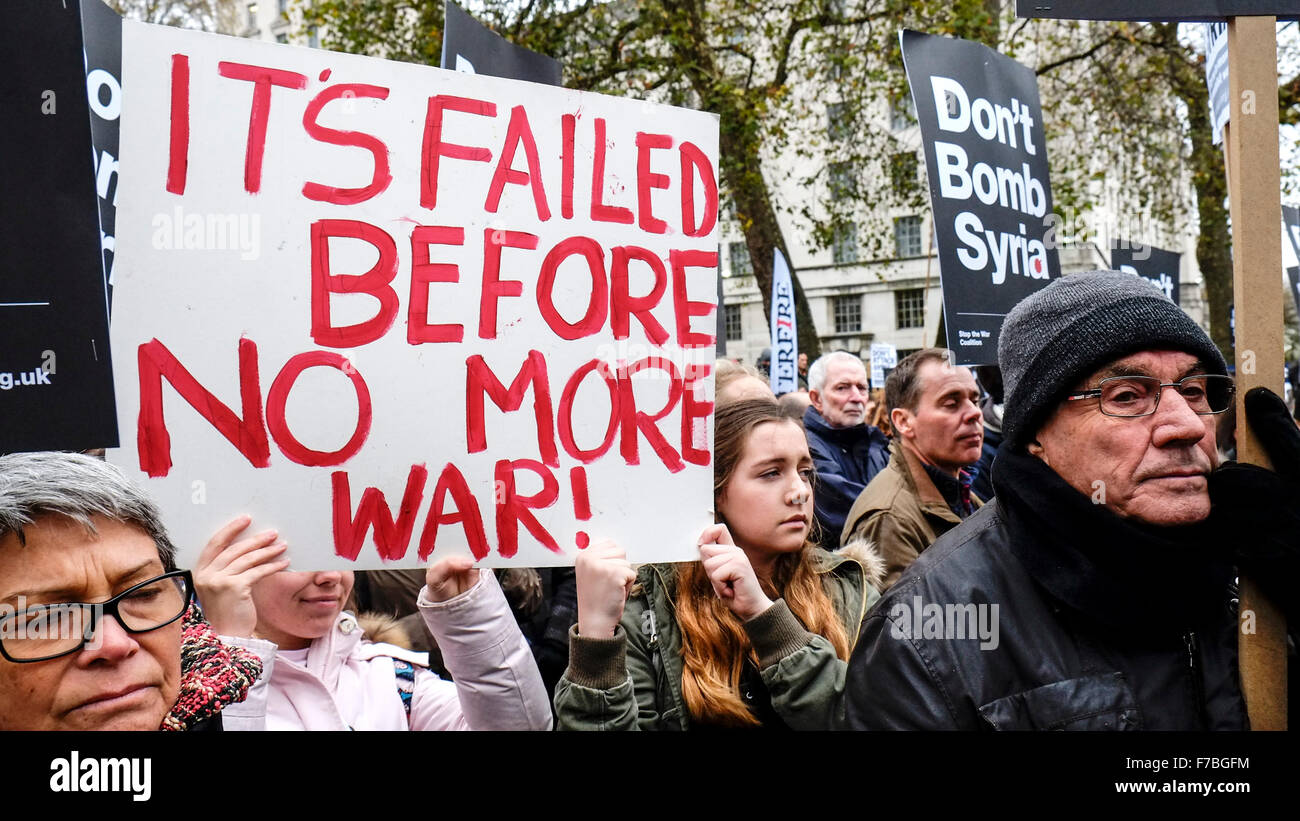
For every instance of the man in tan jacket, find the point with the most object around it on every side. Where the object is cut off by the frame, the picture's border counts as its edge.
(924, 491)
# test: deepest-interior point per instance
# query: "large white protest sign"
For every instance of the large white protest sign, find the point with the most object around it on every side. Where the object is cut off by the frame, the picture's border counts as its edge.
(394, 311)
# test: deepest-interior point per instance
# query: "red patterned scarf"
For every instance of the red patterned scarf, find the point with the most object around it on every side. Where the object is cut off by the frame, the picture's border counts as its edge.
(213, 674)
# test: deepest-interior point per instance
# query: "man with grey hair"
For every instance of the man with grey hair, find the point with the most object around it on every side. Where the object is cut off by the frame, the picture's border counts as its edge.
(924, 491)
(847, 452)
(1095, 592)
(97, 629)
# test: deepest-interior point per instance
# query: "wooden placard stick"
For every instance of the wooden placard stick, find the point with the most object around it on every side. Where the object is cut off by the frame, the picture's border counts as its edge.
(1250, 147)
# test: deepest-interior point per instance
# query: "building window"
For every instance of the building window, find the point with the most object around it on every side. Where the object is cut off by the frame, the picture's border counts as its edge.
(837, 123)
(252, 15)
(313, 37)
(909, 309)
(904, 169)
(902, 112)
(844, 243)
(848, 313)
(283, 6)
(741, 264)
(907, 237)
(282, 38)
(840, 180)
(732, 321)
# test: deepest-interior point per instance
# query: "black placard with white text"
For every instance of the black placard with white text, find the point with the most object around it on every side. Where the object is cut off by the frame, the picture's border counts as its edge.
(469, 46)
(103, 47)
(1155, 265)
(56, 382)
(985, 153)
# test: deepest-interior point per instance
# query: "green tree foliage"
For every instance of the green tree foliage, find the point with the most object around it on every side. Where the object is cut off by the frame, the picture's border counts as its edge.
(208, 15)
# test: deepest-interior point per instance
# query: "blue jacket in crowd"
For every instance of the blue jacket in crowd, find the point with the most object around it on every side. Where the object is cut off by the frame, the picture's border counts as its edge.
(846, 459)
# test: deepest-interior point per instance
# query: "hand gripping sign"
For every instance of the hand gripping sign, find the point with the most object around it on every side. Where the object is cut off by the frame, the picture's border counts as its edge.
(391, 310)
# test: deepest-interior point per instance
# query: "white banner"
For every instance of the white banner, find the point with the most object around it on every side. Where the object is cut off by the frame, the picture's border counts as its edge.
(883, 357)
(785, 334)
(1216, 76)
(391, 310)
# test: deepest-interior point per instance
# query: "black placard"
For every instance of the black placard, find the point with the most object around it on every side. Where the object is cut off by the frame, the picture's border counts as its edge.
(466, 40)
(1155, 265)
(56, 381)
(986, 156)
(103, 47)
(1161, 10)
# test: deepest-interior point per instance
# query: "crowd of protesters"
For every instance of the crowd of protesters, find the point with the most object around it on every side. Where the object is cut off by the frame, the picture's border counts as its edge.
(1054, 546)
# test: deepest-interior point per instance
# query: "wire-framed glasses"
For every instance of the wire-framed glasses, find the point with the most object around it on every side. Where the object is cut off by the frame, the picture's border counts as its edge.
(1140, 395)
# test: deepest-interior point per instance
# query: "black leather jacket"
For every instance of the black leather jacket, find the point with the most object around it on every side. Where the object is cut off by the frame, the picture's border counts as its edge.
(1043, 667)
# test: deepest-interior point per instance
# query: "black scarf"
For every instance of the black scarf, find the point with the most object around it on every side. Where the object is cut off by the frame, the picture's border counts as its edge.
(1113, 570)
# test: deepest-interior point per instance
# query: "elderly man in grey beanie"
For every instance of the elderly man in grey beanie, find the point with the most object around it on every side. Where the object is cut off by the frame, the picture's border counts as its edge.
(1093, 593)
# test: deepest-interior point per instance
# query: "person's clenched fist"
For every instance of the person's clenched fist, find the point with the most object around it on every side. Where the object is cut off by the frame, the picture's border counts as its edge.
(448, 577)
(604, 578)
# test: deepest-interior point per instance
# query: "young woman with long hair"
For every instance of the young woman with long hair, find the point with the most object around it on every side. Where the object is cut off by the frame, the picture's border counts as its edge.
(755, 634)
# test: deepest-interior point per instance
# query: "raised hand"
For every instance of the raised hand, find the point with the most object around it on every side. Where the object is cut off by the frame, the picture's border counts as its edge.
(732, 575)
(604, 578)
(449, 577)
(228, 568)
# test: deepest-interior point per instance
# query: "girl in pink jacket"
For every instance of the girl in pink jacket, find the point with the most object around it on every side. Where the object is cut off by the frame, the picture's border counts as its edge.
(321, 673)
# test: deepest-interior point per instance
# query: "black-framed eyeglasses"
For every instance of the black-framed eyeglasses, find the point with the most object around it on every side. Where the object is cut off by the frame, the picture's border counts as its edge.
(1129, 396)
(48, 631)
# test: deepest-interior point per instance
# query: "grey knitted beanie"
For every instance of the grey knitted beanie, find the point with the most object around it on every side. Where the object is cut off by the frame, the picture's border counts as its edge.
(1079, 322)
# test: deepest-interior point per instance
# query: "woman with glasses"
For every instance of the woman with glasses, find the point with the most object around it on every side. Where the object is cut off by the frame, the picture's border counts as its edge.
(323, 673)
(97, 629)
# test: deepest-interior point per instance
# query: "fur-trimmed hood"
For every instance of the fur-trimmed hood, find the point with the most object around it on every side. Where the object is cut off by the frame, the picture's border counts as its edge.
(863, 551)
(380, 627)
